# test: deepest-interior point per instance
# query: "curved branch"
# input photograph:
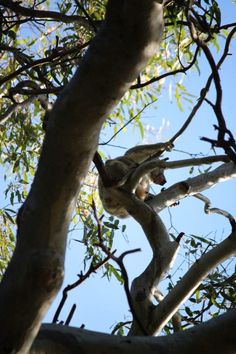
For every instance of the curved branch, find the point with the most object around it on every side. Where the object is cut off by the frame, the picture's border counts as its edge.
(216, 336)
(209, 210)
(14, 108)
(82, 277)
(71, 139)
(190, 281)
(228, 146)
(171, 73)
(34, 14)
(205, 90)
(164, 254)
(47, 60)
(144, 286)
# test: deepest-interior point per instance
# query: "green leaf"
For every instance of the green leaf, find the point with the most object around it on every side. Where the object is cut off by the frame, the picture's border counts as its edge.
(141, 129)
(9, 217)
(202, 239)
(117, 275)
(110, 225)
(188, 311)
(123, 228)
(12, 195)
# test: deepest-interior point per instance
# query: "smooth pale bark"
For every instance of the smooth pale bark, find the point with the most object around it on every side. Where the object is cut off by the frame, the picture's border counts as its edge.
(150, 318)
(190, 281)
(127, 40)
(192, 186)
(216, 336)
(148, 166)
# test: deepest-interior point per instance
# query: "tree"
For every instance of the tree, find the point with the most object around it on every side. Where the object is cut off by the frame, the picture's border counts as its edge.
(125, 43)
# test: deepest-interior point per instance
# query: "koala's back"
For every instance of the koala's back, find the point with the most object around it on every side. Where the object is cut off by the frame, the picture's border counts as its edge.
(111, 204)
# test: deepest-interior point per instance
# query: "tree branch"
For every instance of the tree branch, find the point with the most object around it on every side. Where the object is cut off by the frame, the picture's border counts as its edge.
(171, 73)
(228, 146)
(148, 166)
(164, 254)
(34, 14)
(47, 60)
(216, 336)
(82, 277)
(190, 281)
(14, 108)
(71, 139)
(209, 210)
(205, 90)
(192, 186)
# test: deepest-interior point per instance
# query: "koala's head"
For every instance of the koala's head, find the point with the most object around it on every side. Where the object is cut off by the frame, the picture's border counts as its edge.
(157, 176)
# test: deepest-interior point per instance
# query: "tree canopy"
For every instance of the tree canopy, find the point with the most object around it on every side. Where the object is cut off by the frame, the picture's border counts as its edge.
(76, 79)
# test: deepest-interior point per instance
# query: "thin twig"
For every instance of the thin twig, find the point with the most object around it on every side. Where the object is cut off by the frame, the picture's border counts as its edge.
(90, 21)
(228, 146)
(32, 13)
(171, 73)
(43, 61)
(209, 210)
(82, 278)
(119, 262)
(71, 314)
(205, 90)
(129, 121)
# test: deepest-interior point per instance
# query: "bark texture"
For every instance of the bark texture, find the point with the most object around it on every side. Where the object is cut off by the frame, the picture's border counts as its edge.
(129, 37)
(216, 336)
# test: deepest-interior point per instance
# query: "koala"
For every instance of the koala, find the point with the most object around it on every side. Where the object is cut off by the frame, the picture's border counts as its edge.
(121, 168)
